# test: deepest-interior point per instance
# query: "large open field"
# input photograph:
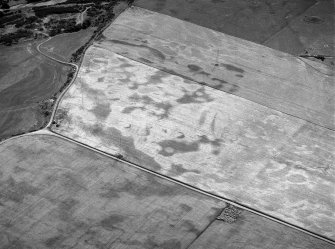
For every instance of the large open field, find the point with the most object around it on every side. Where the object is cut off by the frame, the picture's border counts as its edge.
(26, 78)
(297, 26)
(251, 20)
(63, 46)
(56, 194)
(292, 85)
(311, 32)
(172, 134)
(208, 138)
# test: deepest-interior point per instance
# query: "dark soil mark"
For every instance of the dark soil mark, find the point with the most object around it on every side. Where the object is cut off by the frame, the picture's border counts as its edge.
(204, 73)
(171, 147)
(178, 170)
(158, 76)
(110, 222)
(146, 100)
(205, 140)
(198, 96)
(91, 91)
(222, 82)
(101, 110)
(185, 207)
(202, 117)
(100, 61)
(141, 187)
(145, 60)
(149, 243)
(232, 68)
(181, 135)
(190, 227)
(194, 68)
(72, 182)
(177, 74)
(66, 209)
(197, 69)
(234, 88)
(125, 65)
(109, 192)
(313, 19)
(51, 242)
(114, 136)
(130, 109)
(11, 190)
(213, 123)
(154, 51)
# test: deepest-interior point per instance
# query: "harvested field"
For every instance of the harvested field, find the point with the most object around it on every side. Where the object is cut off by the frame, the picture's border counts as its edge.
(218, 142)
(251, 20)
(26, 78)
(63, 46)
(311, 32)
(55, 194)
(296, 86)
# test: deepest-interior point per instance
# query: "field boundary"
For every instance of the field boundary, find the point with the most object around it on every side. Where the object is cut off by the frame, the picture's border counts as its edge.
(55, 106)
(76, 66)
(86, 46)
(48, 132)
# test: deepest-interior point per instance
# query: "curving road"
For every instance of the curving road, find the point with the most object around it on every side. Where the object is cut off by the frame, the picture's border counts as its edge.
(55, 106)
(68, 86)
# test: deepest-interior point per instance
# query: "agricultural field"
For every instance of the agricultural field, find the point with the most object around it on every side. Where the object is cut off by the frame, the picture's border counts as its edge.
(63, 46)
(28, 81)
(56, 194)
(312, 33)
(170, 124)
(204, 137)
(298, 27)
(254, 20)
(226, 63)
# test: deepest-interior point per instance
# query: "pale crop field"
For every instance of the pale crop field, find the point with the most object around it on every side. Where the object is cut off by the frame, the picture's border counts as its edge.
(208, 138)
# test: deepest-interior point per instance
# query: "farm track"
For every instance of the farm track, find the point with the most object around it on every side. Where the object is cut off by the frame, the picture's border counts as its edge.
(64, 63)
(65, 90)
(48, 132)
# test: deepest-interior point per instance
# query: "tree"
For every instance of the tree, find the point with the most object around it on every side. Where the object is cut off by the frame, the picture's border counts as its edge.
(4, 5)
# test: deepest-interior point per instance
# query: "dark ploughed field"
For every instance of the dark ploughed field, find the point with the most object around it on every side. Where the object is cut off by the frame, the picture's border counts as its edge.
(297, 27)
(26, 79)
